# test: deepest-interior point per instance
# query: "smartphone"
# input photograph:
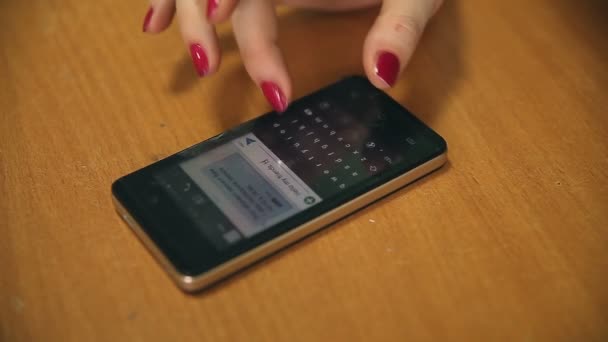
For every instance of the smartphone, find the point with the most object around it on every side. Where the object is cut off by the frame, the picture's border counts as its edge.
(227, 202)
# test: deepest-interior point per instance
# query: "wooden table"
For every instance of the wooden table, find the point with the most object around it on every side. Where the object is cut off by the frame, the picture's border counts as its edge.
(508, 242)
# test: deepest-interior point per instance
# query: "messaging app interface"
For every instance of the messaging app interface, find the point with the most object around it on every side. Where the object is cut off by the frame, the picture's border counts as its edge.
(251, 186)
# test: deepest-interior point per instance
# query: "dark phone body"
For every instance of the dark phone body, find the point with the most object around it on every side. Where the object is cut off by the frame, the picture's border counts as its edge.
(224, 203)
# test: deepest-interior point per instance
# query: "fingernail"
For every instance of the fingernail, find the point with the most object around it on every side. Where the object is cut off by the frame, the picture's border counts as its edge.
(387, 67)
(147, 19)
(275, 96)
(199, 58)
(211, 7)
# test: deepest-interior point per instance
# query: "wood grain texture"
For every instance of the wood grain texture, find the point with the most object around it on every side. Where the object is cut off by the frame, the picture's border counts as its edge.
(508, 242)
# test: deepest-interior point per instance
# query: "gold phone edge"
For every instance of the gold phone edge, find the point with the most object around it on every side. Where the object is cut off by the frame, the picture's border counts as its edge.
(199, 282)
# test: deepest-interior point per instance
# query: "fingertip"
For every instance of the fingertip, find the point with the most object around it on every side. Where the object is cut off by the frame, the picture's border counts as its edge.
(199, 59)
(199, 37)
(387, 67)
(158, 16)
(384, 59)
(276, 90)
(382, 67)
(147, 19)
(220, 10)
(212, 7)
(393, 38)
(255, 31)
(205, 62)
(274, 95)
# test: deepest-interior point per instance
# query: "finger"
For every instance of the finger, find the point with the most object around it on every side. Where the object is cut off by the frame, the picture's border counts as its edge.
(199, 35)
(255, 29)
(159, 16)
(220, 10)
(393, 38)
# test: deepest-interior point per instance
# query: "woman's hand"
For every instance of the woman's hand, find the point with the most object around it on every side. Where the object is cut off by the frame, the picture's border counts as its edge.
(387, 49)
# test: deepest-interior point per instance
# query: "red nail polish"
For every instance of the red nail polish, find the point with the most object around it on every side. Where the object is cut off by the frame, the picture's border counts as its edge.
(211, 7)
(199, 58)
(387, 67)
(275, 96)
(147, 19)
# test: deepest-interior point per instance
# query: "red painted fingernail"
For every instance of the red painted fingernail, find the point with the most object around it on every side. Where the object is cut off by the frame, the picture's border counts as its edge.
(199, 58)
(275, 96)
(387, 67)
(147, 19)
(211, 7)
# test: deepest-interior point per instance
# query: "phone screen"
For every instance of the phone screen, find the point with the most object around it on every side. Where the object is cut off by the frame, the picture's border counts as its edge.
(274, 172)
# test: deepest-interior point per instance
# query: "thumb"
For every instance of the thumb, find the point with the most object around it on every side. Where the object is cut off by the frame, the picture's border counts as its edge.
(393, 38)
